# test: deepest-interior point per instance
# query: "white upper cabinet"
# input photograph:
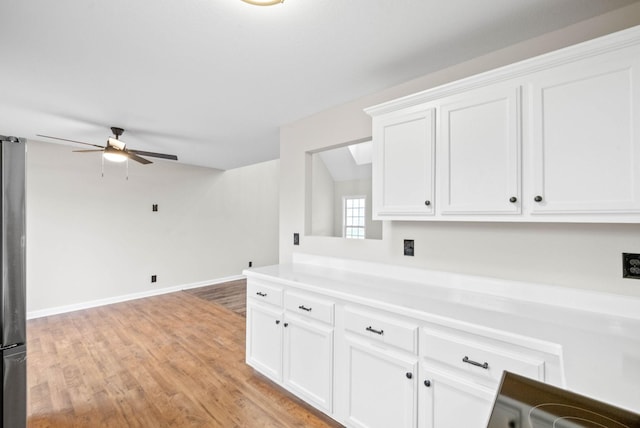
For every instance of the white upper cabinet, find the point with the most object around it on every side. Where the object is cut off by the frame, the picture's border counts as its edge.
(480, 144)
(586, 148)
(403, 166)
(553, 138)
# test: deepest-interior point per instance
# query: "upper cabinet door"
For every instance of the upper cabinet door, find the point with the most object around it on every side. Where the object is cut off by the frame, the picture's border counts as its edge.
(480, 147)
(586, 136)
(551, 139)
(403, 165)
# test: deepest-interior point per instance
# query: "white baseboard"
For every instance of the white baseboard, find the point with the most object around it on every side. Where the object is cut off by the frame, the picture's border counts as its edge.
(123, 298)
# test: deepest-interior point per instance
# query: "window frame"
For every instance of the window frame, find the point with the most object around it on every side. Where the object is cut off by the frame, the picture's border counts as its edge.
(363, 216)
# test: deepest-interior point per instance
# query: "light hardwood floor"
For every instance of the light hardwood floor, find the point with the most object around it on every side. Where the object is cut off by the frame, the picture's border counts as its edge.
(174, 360)
(232, 295)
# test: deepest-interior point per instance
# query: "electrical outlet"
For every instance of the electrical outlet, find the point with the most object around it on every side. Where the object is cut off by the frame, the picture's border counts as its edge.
(154, 207)
(408, 247)
(296, 239)
(631, 265)
(154, 278)
(250, 264)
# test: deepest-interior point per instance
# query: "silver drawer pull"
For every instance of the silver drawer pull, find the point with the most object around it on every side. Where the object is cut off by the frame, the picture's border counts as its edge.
(261, 294)
(373, 330)
(304, 308)
(484, 365)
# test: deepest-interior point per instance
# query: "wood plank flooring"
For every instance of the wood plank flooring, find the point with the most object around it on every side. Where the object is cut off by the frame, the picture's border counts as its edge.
(232, 295)
(174, 360)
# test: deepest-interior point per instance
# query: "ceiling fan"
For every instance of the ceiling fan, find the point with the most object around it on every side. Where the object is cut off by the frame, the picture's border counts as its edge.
(116, 150)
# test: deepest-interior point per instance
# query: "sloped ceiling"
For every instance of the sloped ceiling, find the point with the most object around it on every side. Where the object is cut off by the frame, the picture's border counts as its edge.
(213, 80)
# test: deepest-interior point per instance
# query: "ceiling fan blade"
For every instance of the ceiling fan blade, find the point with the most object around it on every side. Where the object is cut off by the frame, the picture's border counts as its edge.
(154, 155)
(137, 158)
(71, 141)
(87, 151)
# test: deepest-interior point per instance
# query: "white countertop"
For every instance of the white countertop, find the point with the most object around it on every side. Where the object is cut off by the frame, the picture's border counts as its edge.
(597, 334)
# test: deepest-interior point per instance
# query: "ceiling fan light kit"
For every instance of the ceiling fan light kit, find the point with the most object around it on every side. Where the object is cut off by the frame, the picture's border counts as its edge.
(263, 2)
(114, 154)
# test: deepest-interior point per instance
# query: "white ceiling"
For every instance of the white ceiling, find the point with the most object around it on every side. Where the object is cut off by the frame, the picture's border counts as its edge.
(213, 80)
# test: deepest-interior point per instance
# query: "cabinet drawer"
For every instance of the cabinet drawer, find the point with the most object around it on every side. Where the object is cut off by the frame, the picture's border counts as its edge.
(483, 357)
(263, 292)
(382, 329)
(308, 306)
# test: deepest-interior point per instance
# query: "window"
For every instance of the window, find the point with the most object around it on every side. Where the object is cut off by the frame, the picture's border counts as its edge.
(354, 217)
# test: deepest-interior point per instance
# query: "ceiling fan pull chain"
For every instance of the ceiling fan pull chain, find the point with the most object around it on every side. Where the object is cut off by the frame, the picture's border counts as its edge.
(102, 166)
(127, 168)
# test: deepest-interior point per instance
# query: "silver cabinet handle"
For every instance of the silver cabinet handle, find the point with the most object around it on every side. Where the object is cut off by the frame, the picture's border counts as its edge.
(373, 330)
(484, 365)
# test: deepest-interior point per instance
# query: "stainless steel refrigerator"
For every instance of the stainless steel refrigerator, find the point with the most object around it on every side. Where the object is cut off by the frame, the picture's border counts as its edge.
(13, 396)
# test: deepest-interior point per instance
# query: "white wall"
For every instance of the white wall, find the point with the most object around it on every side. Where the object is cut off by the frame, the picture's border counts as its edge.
(92, 239)
(322, 222)
(577, 255)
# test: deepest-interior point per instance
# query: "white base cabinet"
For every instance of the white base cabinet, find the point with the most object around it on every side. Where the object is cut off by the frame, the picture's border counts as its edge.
(264, 344)
(449, 402)
(264, 328)
(308, 361)
(361, 342)
(385, 369)
(289, 339)
(460, 374)
(382, 387)
(371, 368)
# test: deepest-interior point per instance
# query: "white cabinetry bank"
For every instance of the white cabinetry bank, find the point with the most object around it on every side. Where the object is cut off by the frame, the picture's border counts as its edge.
(376, 345)
(553, 138)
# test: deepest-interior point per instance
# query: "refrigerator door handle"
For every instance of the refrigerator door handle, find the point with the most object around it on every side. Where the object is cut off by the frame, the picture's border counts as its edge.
(13, 345)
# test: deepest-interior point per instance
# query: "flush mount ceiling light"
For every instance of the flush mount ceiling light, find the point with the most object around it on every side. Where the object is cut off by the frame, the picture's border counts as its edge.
(263, 2)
